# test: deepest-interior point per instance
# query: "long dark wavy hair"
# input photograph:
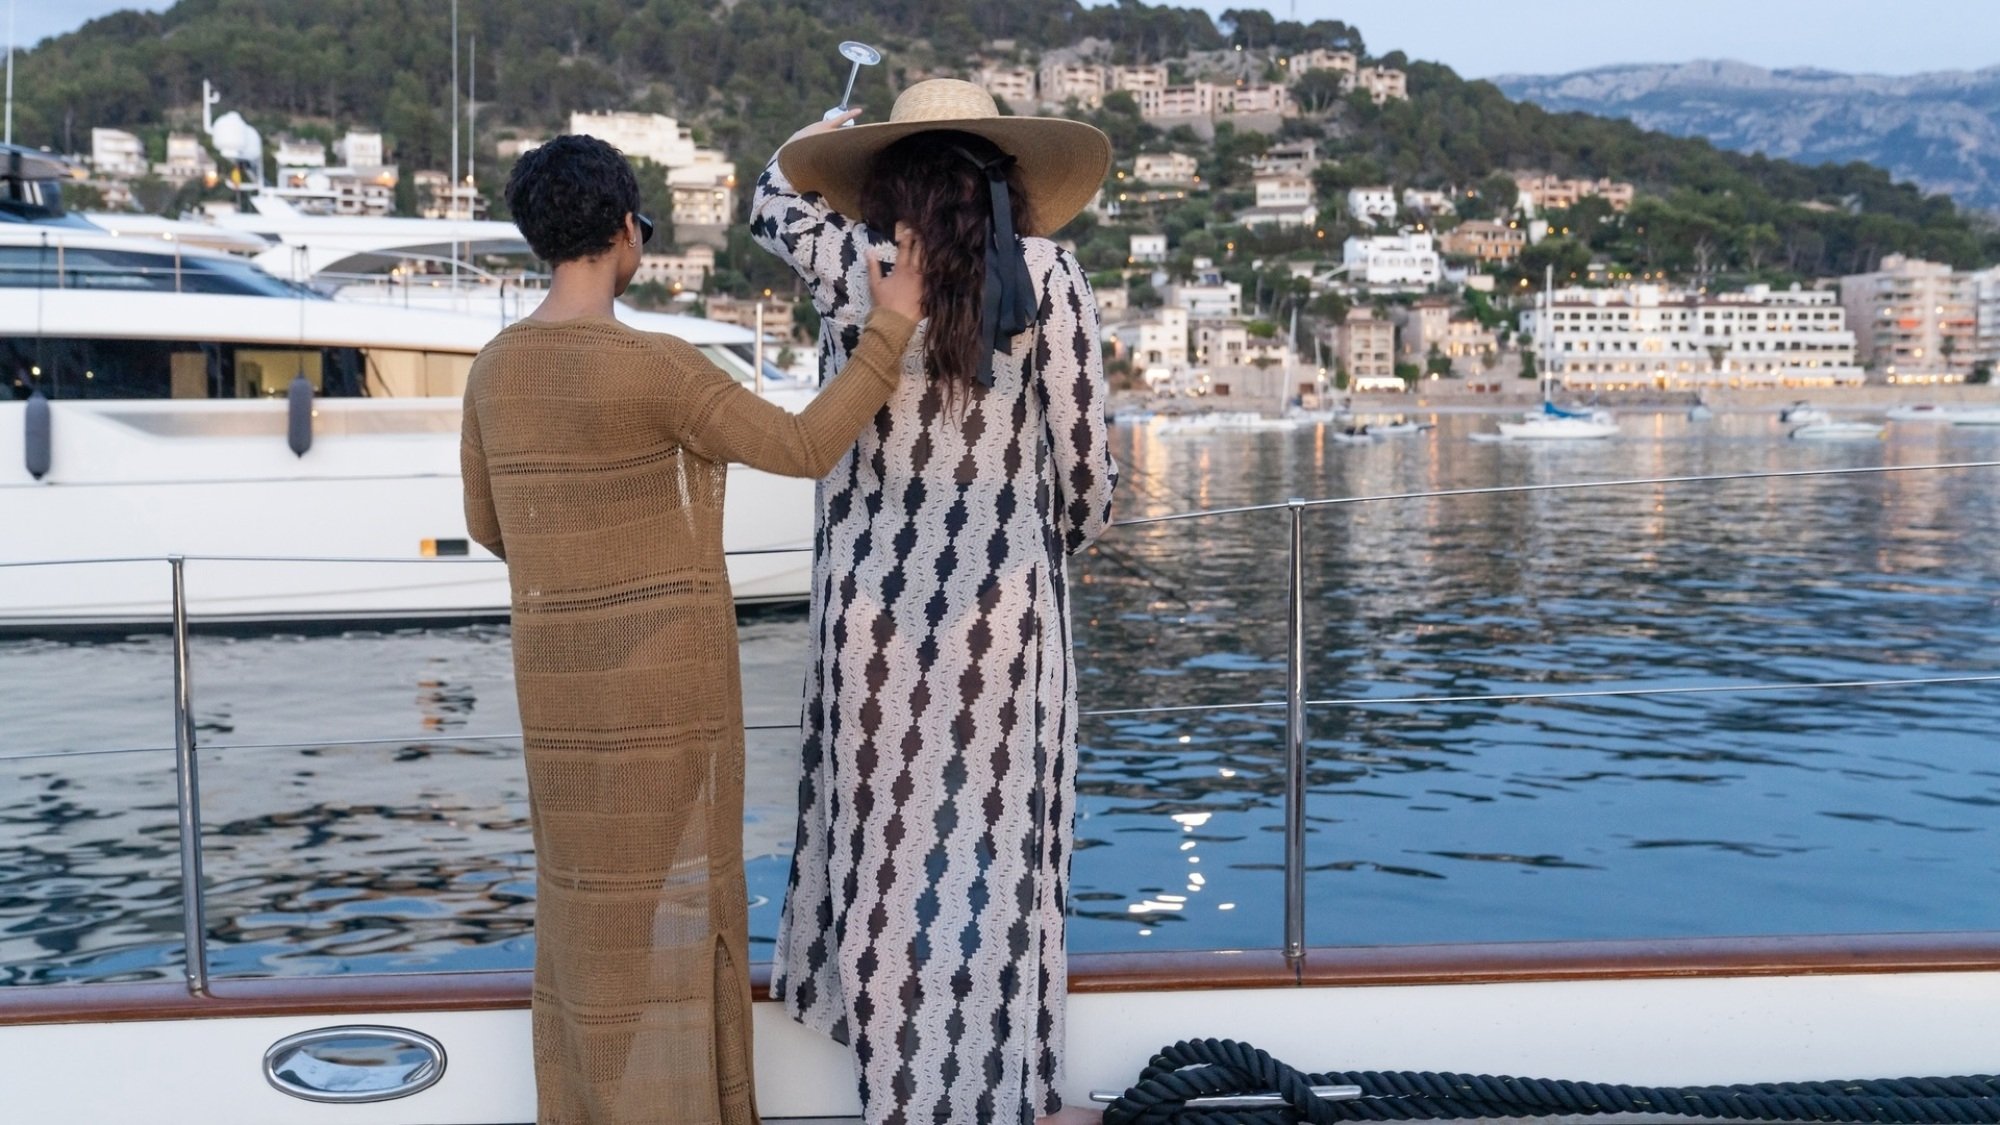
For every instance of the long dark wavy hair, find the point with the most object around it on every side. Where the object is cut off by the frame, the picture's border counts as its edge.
(926, 181)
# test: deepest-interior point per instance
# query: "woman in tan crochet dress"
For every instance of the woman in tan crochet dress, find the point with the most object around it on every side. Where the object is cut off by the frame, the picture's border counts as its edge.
(594, 460)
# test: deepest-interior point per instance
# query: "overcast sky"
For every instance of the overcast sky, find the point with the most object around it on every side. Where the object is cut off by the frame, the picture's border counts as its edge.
(1486, 37)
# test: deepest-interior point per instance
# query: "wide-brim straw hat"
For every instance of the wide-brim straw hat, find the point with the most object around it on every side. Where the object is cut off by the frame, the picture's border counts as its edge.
(1062, 163)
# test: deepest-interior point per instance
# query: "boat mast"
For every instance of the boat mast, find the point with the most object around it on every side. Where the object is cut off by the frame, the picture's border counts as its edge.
(10, 71)
(451, 188)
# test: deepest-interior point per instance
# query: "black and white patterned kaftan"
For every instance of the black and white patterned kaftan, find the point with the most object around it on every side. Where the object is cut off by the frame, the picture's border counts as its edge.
(923, 924)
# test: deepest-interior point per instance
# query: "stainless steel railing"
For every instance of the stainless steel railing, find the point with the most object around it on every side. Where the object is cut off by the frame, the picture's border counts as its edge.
(1297, 701)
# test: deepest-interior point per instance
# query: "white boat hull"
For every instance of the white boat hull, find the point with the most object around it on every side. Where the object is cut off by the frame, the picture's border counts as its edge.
(1987, 417)
(1671, 1031)
(150, 479)
(1558, 429)
(1837, 431)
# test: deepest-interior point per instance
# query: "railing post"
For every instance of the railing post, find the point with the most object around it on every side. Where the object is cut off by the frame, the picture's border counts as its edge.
(187, 796)
(1295, 740)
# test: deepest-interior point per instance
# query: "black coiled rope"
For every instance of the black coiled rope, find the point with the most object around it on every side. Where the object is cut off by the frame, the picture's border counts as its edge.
(1202, 1068)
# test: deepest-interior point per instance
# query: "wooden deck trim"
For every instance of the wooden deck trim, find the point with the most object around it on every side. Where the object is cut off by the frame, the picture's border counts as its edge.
(1089, 972)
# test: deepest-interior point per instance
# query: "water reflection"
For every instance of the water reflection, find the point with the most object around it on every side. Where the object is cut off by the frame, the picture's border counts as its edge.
(1839, 811)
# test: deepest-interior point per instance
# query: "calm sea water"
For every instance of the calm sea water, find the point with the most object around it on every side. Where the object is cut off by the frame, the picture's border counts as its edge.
(1816, 811)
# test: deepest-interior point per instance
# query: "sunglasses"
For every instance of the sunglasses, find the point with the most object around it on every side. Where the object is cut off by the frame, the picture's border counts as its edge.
(645, 229)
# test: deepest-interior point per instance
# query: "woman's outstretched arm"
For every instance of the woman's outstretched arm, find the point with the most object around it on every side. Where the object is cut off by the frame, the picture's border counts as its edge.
(720, 419)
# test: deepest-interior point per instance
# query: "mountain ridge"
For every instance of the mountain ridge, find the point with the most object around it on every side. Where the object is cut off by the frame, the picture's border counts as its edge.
(1940, 129)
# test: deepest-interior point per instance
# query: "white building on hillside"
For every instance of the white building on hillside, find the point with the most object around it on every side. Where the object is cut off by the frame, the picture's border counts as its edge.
(1319, 58)
(1148, 249)
(1293, 158)
(1425, 202)
(1646, 336)
(1137, 80)
(1164, 168)
(1014, 85)
(640, 136)
(1372, 204)
(1083, 82)
(294, 152)
(1986, 315)
(1401, 262)
(187, 159)
(117, 153)
(1221, 300)
(1282, 201)
(361, 148)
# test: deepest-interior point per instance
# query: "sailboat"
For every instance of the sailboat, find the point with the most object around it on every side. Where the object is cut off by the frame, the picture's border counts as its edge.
(1552, 422)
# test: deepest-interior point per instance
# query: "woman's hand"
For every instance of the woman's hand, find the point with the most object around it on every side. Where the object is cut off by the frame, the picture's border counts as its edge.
(901, 292)
(824, 126)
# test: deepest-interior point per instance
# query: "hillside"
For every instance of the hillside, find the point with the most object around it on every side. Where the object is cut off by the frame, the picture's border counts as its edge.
(745, 73)
(1940, 130)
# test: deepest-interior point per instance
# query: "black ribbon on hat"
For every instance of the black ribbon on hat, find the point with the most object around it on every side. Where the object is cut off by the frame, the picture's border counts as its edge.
(1008, 305)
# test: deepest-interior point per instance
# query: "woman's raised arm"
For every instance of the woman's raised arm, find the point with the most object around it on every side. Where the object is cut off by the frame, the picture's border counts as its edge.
(825, 248)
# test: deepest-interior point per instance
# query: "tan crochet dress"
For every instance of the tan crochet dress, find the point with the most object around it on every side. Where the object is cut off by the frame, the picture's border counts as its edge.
(595, 458)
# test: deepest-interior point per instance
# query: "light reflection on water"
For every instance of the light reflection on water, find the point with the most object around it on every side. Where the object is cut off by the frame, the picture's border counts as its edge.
(1666, 816)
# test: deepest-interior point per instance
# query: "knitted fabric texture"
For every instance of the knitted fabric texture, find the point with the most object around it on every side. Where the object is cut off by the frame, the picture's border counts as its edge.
(594, 460)
(924, 920)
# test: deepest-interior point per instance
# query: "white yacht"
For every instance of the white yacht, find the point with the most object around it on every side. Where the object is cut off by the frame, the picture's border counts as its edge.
(1836, 431)
(144, 413)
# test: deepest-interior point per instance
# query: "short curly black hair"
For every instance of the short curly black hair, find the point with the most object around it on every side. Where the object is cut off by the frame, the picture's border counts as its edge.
(570, 197)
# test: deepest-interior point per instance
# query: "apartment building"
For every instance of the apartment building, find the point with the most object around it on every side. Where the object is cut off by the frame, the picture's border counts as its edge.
(1986, 315)
(1197, 100)
(187, 160)
(1485, 241)
(687, 271)
(1394, 262)
(439, 198)
(1292, 158)
(1366, 347)
(701, 209)
(1282, 201)
(1422, 325)
(1014, 85)
(1137, 80)
(1319, 58)
(1255, 98)
(117, 153)
(1372, 204)
(1914, 321)
(1147, 249)
(1165, 168)
(1542, 192)
(1383, 84)
(1645, 336)
(1084, 83)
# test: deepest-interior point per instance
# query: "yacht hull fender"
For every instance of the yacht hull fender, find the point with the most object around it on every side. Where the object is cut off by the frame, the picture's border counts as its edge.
(299, 415)
(36, 438)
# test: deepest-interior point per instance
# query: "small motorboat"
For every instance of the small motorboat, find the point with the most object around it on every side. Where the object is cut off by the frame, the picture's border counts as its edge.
(1700, 411)
(1401, 427)
(1837, 431)
(1355, 435)
(1801, 413)
(1985, 416)
(1920, 412)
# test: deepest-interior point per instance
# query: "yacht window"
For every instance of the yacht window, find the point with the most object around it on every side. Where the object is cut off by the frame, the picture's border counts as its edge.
(396, 373)
(70, 368)
(76, 267)
(268, 372)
